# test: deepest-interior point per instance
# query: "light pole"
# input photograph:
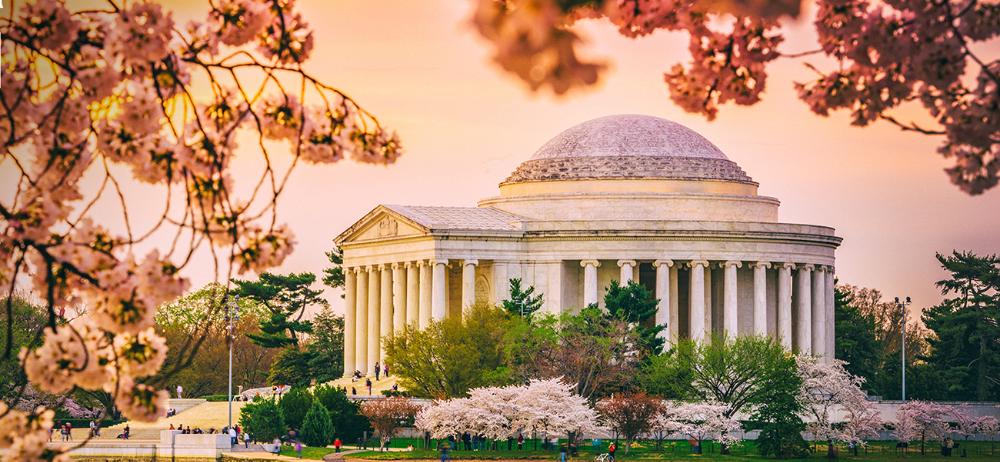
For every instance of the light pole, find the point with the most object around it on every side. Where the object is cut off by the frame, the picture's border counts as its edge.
(902, 336)
(232, 314)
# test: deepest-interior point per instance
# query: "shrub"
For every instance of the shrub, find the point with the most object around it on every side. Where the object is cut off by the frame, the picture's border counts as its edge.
(262, 419)
(294, 406)
(348, 423)
(317, 429)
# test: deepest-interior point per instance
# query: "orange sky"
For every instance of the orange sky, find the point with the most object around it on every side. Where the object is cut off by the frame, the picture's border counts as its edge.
(421, 69)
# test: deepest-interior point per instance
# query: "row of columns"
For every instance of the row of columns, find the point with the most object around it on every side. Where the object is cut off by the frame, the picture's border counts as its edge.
(380, 300)
(813, 303)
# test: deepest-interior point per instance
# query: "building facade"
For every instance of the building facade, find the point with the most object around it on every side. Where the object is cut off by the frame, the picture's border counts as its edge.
(626, 198)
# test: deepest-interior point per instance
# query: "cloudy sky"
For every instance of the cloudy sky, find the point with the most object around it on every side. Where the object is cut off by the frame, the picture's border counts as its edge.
(420, 68)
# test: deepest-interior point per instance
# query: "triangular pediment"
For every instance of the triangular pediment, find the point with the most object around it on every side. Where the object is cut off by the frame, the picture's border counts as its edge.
(381, 223)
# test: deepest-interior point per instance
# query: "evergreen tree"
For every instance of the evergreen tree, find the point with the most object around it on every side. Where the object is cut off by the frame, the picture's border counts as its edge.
(286, 298)
(294, 406)
(635, 304)
(965, 354)
(522, 302)
(326, 347)
(317, 428)
(292, 367)
(855, 339)
(348, 423)
(262, 419)
(777, 412)
(334, 275)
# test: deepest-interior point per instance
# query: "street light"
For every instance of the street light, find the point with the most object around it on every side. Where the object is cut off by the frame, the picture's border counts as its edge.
(902, 335)
(232, 314)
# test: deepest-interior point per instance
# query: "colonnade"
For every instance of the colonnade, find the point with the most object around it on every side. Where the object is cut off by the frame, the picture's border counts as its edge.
(812, 287)
(381, 299)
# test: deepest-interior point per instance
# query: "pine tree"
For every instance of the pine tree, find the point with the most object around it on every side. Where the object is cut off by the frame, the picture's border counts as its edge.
(286, 298)
(294, 406)
(522, 302)
(635, 304)
(262, 419)
(855, 341)
(334, 275)
(317, 428)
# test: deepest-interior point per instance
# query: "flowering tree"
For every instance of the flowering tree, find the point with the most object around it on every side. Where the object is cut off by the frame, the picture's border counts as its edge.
(876, 57)
(826, 387)
(924, 420)
(629, 415)
(548, 406)
(93, 93)
(702, 421)
(386, 415)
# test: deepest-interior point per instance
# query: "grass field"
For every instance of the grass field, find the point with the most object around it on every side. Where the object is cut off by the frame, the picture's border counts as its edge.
(680, 450)
(307, 452)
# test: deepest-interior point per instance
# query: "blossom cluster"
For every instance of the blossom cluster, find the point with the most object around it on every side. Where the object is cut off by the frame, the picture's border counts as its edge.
(827, 387)
(700, 421)
(886, 54)
(930, 421)
(87, 91)
(547, 407)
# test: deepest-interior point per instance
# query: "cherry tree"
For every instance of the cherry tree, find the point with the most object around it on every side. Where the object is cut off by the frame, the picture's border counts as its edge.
(924, 420)
(876, 60)
(549, 407)
(968, 425)
(704, 421)
(826, 388)
(119, 92)
(387, 415)
(629, 415)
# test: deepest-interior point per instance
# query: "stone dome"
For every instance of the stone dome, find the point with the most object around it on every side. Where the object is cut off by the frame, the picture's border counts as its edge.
(628, 147)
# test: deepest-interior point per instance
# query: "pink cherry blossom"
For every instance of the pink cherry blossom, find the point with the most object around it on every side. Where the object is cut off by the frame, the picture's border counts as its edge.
(237, 22)
(142, 33)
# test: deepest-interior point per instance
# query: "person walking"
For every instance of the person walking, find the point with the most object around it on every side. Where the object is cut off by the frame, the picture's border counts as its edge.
(444, 451)
(562, 453)
(232, 436)
(612, 448)
(377, 370)
(180, 392)
(337, 444)
(385, 370)
(368, 383)
(246, 440)
(298, 448)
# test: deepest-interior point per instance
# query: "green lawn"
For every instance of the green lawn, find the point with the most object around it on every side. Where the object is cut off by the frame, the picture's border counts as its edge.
(307, 452)
(680, 450)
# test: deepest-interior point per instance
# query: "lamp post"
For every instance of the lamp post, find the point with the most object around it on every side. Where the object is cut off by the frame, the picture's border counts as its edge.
(232, 314)
(902, 336)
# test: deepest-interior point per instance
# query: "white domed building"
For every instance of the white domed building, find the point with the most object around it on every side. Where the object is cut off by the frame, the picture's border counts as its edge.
(625, 197)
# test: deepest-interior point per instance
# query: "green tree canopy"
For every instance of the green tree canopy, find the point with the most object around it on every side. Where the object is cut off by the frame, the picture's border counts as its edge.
(262, 419)
(317, 428)
(635, 304)
(964, 350)
(453, 355)
(522, 301)
(348, 423)
(25, 319)
(326, 346)
(286, 297)
(294, 405)
(333, 276)
(856, 342)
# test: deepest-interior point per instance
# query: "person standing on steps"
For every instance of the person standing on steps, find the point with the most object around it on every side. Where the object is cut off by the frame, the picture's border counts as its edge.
(377, 370)
(368, 383)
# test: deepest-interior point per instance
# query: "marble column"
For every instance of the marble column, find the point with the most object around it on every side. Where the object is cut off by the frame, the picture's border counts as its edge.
(663, 294)
(374, 313)
(819, 312)
(697, 300)
(590, 281)
(675, 306)
(730, 299)
(350, 319)
(708, 299)
(785, 304)
(760, 297)
(627, 270)
(831, 343)
(385, 306)
(469, 283)
(803, 310)
(412, 294)
(398, 297)
(439, 289)
(501, 282)
(361, 317)
(424, 319)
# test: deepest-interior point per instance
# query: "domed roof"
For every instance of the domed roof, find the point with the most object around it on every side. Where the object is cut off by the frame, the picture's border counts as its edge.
(628, 146)
(629, 135)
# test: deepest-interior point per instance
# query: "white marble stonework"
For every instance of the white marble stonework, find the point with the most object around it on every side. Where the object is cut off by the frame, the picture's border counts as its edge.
(626, 197)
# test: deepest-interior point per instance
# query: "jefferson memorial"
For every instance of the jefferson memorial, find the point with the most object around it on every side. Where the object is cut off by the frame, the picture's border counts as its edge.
(624, 197)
